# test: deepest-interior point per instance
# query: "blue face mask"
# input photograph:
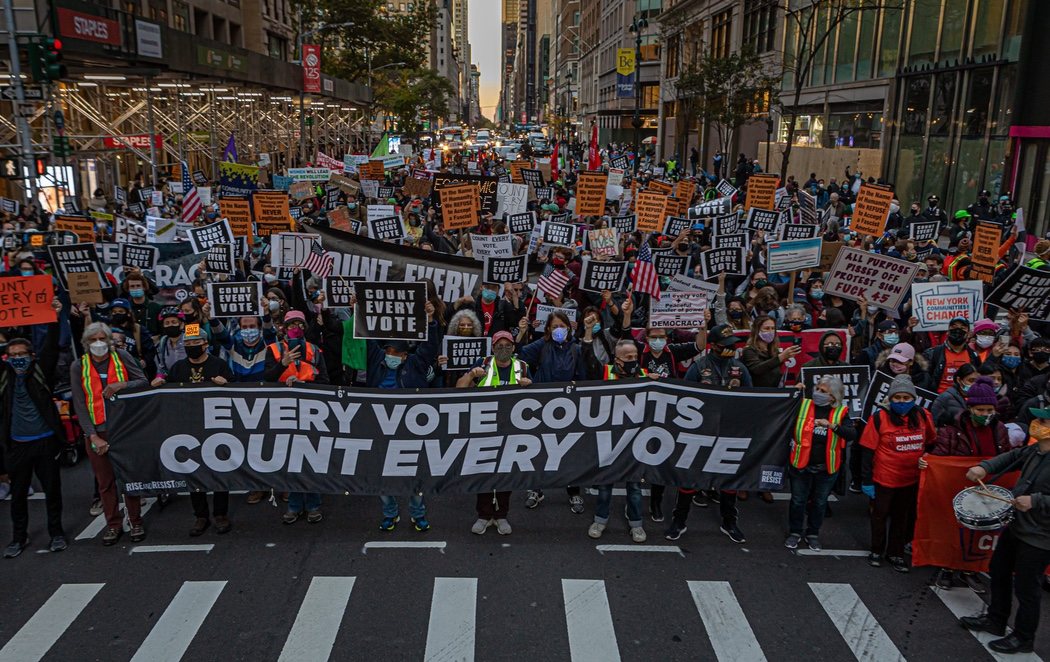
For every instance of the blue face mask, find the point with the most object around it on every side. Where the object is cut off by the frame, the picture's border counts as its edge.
(1011, 361)
(392, 361)
(596, 328)
(488, 296)
(137, 294)
(560, 334)
(902, 408)
(891, 339)
(28, 272)
(20, 363)
(817, 294)
(250, 335)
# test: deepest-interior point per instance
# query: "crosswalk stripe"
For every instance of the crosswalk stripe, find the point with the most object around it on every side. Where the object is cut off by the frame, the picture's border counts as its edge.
(863, 634)
(966, 603)
(178, 625)
(730, 634)
(453, 612)
(44, 628)
(317, 623)
(589, 620)
(98, 524)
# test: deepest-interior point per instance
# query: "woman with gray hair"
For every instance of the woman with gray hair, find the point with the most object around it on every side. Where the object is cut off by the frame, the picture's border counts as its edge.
(101, 372)
(818, 444)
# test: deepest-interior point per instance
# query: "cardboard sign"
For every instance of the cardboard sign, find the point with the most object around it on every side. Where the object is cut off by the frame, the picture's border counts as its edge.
(678, 310)
(715, 261)
(505, 269)
(511, 199)
(83, 228)
(372, 170)
(339, 219)
(985, 251)
(788, 256)
(221, 259)
(84, 287)
(387, 228)
(674, 225)
(464, 351)
(604, 242)
(235, 299)
(559, 234)
(338, 291)
(237, 210)
(762, 219)
(460, 205)
(271, 212)
(924, 230)
(650, 208)
(762, 191)
(937, 304)
(494, 245)
(390, 311)
(797, 231)
(725, 224)
(521, 223)
(140, 256)
(670, 264)
(204, 237)
(26, 300)
(590, 193)
(516, 168)
(291, 249)
(624, 224)
(855, 380)
(598, 276)
(880, 386)
(871, 209)
(1025, 289)
(828, 252)
(882, 280)
(415, 187)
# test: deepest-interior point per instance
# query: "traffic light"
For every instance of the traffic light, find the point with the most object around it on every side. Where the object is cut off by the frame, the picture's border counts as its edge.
(40, 164)
(60, 147)
(45, 59)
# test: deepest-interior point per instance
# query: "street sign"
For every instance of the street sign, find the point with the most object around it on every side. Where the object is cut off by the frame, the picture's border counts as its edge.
(31, 93)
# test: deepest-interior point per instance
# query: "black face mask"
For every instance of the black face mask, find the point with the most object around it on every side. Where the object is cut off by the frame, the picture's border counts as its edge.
(172, 331)
(957, 336)
(629, 367)
(120, 319)
(190, 318)
(831, 352)
(736, 314)
(1041, 357)
(195, 351)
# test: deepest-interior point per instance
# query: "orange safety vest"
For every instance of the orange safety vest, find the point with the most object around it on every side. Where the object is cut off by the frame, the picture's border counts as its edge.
(803, 439)
(610, 375)
(92, 383)
(304, 369)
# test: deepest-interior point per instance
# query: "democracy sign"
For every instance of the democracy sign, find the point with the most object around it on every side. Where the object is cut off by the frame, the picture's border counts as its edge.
(762, 219)
(26, 300)
(854, 378)
(682, 283)
(506, 269)
(669, 264)
(559, 234)
(882, 281)
(924, 230)
(141, 256)
(371, 441)
(937, 304)
(390, 311)
(464, 351)
(235, 299)
(521, 223)
(678, 310)
(598, 276)
(203, 237)
(798, 231)
(730, 260)
(879, 387)
(1026, 289)
(787, 256)
(221, 259)
(386, 229)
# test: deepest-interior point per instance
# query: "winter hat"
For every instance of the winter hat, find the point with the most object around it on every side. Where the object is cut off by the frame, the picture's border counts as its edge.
(982, 393)
(985, 325)
(901, 384)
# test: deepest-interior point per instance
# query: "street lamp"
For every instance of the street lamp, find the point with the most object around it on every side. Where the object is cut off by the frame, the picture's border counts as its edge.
(637, 25)
(302, 106)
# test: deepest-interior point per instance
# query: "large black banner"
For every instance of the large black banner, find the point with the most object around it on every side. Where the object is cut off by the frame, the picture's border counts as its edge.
(449, 441)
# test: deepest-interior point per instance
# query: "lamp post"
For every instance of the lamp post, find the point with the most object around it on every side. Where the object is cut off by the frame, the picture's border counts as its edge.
(637, 25)
(769, 136)
(299, 44)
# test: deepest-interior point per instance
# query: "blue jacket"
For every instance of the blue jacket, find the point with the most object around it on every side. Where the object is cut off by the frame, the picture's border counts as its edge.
(554, 362)
(417, 371)
(247, 363)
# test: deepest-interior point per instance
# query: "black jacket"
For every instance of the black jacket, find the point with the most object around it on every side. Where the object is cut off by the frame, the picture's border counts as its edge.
(39, 382)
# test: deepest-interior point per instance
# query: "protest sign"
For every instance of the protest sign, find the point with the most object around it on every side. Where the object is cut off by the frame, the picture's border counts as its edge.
(128, 231)
(204, 237)
(380, 211)
(390, 311)
(237, 210)
(604, 242)
(235, 179)
(140, 256)
(660, 186)
(669, 264)
(339, 219)
(798, 231)
(937, 304)
(331, 197)
(521, 223)
(385, 192)
(725, 189)
(120, 195)
(762, 219)
(678, 310)
(712, 208)
(650, 208)
(235, 299)
(460, 206)
(301, 190)
(370, 188)
(532, 177)
(544, 194)
(685, 190)
(559, 234)
(590, 193)
(854, 378)
(682, 283)
(488, 187)
(829, 250)
(615, 177)
(718, 260)
(511, 199)
(282, 183)
(199, 178)
(516, 168)
(338, 291)
(464, 351)
(506, 269)
(624, 224)
(26, 300)
(879, 387)
(372, 170)
(1025, 289)
(417, 187)
(740, 239)
(924, 230)
(84, 288)
(871, 209)
(291, 249)
(157, 198)
(762, 190)
(386, 229)
(271, 212)
(543, 311)
(620, 162)
(491, 245)
(985, 251)
(221, 259)
(674, 225)
(598, 276)
(676, 207)
(787, 256)
(75, 258)
(882, 280)
(82, 227)
(725, 224)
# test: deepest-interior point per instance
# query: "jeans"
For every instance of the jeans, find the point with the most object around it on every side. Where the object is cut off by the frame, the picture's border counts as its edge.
(809, 499)
(634, 504)
(199, 501)
(898, 506)
(1022, 565)
(416, 506)
(299, 501)
(23, 460)
(726, 507)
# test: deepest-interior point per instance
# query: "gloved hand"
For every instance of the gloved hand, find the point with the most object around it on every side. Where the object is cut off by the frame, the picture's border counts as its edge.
(868, 490)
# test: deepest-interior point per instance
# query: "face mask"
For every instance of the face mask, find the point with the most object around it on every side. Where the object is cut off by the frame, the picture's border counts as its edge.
(560, 334)
(767, 336)
(392, 361)
(20, 363)
(891, 339)
(596, 328)
(558, 261)
(1011, 362)
(1038, 429)
(981, 420)
(795, 325)
(137, 293)
(957, 336)
(195, 351)
(503, 354)
(28, 272)
(629, 367)
(898, 368)
(1041, 357)
(119, 318)
(250, 335)
(99, 348)
(190, 318)
(273, 305)
(902, 408)
(488, 296)
(817, 294)
(172, 331)
(984, 342)
(821, 399)
(759, 284)
(295, 332)
(872, 310)
(832, 352)
(270, 278)
(727, 352)
(658, 344)
(736, 314)
(966, 388)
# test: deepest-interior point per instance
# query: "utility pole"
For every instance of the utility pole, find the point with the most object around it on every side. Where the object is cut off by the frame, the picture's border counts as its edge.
(28, 158)
(637, 25)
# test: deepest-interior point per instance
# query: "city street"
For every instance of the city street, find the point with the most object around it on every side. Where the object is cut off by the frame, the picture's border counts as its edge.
(342, 590)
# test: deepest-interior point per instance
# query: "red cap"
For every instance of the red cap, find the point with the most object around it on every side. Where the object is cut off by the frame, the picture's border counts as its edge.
(502, 335)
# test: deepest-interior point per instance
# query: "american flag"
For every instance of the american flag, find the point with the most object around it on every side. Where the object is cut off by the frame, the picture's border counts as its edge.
(191, 202)
(319, 261)
(553, 281)
(643, 276)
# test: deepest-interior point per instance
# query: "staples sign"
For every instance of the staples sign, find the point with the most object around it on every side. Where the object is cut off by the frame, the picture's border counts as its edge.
(88, 27)
(137, 142)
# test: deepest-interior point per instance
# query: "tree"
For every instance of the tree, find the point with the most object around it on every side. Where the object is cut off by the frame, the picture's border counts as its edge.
(410, 96)
(811, 26)
(727, 91)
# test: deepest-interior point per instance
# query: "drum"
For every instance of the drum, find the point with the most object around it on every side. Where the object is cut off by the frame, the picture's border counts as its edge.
(976, 510)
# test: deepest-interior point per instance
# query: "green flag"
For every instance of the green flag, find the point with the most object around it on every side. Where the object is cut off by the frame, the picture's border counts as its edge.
(383, 148)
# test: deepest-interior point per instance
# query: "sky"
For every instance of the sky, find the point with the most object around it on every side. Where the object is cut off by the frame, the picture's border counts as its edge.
(483, 28)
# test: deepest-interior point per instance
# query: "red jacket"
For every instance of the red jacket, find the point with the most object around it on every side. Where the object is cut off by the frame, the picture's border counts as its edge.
(897, 448)
(960, 437)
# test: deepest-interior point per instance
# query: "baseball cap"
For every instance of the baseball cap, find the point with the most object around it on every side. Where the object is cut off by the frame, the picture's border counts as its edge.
(887, 325)
(195, 336)
(1039, 412)
(902, 352)
(722, 334)
(120, 303)
(502, 335)
(959, 319)
(293, 315)
(397, 345)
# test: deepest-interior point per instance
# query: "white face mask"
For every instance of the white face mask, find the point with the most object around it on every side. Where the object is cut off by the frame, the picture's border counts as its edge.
(984, 342)
(99, 348)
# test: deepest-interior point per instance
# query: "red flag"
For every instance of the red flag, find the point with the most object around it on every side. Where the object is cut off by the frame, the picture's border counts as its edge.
(594, 160)
(554, 162)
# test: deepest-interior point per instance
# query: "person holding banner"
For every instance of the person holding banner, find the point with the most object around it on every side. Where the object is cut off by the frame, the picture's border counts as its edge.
(120, 317)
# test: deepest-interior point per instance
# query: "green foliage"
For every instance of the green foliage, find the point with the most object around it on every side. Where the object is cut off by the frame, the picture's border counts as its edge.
(412, 96)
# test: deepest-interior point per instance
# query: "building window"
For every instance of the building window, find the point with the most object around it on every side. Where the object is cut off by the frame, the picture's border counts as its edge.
(649, 8)
(650, 95)
(650, 49)
(760, 25)
(673, 56)
(721, 33)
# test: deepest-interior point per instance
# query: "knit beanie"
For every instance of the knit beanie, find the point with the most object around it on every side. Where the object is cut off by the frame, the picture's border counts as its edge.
(902, 384)
(982, 393)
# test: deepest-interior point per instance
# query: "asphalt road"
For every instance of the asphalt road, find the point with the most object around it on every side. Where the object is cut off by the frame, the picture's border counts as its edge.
(268, 591)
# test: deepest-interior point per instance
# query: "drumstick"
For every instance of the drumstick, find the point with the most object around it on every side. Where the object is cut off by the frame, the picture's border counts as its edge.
(984, 491)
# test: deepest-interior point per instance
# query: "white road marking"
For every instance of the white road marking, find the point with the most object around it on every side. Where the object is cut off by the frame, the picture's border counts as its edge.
(786, 496)
(404, 544)
(44, 628)
(178, 625)
(98, 525)
(639, 548)
(862, 632)
(831, 552)
(453, 612)
(964, 602)
(589, 621)
(730, 634)
(317, 623)
(152, 549)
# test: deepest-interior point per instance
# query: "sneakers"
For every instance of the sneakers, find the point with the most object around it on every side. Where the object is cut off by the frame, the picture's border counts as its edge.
(638, 534)
(533, 498)
(96, 506)
(480, 526)
(222, 524)
(675, 532)
(15, 548)
(875, 560)
(421, 524)
(734, 533)
(656, 511)
(596, 530)
(112, 535)
(389, 523)
(813, 542)
(314, 516)
(199, 527)
(137, 533)
(503, 527)
(290, 517)
(1011, 644)
(791, 542)
(899, 564)
(943, 579)
(982, 624)
(576, 504)
(700, 500)
(854, 487)
(58, 544)
(974, 583)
